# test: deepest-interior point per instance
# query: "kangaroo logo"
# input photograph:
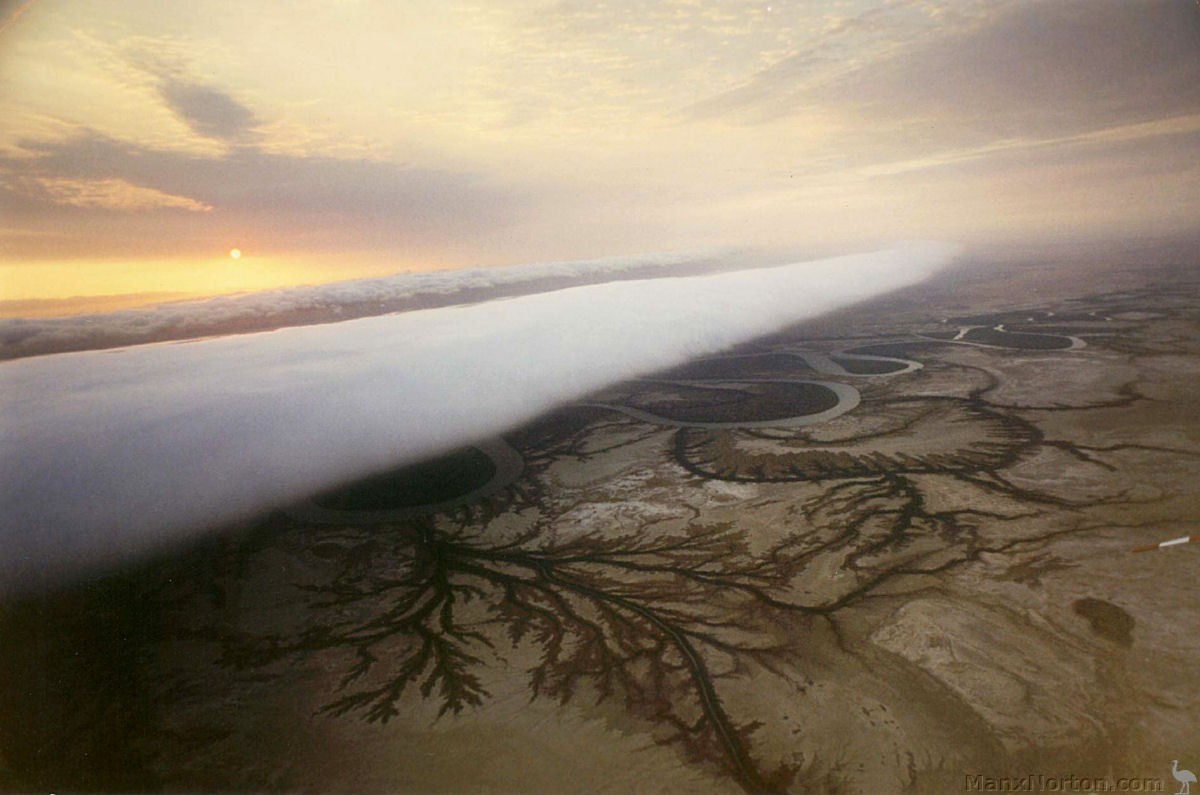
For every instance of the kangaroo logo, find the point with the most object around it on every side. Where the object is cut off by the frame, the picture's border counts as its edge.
(1186, 778)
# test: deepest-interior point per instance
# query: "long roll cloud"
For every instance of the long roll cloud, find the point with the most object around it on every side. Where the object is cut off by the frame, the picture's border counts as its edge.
(109, 455)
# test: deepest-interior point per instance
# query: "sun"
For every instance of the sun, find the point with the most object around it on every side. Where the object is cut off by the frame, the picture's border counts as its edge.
(235, 253)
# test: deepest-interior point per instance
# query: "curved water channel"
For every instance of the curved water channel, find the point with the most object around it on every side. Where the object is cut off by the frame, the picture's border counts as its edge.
(998, 336)
(488, 467)
(846, 396)
(483, 469)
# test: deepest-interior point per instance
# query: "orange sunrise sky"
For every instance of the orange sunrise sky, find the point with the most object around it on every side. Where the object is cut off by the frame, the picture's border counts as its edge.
(143, 141)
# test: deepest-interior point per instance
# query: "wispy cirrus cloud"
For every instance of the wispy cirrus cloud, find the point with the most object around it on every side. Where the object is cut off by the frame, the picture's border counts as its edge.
(565, 129)
(1015, 69)
(249, 179)
(1124, 135)
(277, 195)
(836, 47)
(113, 194)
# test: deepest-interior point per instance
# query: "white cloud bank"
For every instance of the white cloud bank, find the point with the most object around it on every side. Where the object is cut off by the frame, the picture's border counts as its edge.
(266, 309)
(107, 455)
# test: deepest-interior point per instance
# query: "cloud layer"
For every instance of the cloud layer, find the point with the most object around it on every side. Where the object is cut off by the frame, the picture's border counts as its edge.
(110, 454)
(471, 133)
(206, 110)
(1026, 69)
(247, 186)
(260, 311)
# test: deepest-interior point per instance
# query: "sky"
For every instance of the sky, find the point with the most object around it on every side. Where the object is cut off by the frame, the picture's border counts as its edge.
(142, 141)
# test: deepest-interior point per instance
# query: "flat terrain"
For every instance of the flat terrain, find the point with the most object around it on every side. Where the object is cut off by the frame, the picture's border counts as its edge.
(880, 552)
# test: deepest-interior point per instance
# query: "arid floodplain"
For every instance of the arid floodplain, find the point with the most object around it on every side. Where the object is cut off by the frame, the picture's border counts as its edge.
(883, 551)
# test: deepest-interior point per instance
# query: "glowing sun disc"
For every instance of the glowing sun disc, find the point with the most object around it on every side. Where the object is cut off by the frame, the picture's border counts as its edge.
(235, 253)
